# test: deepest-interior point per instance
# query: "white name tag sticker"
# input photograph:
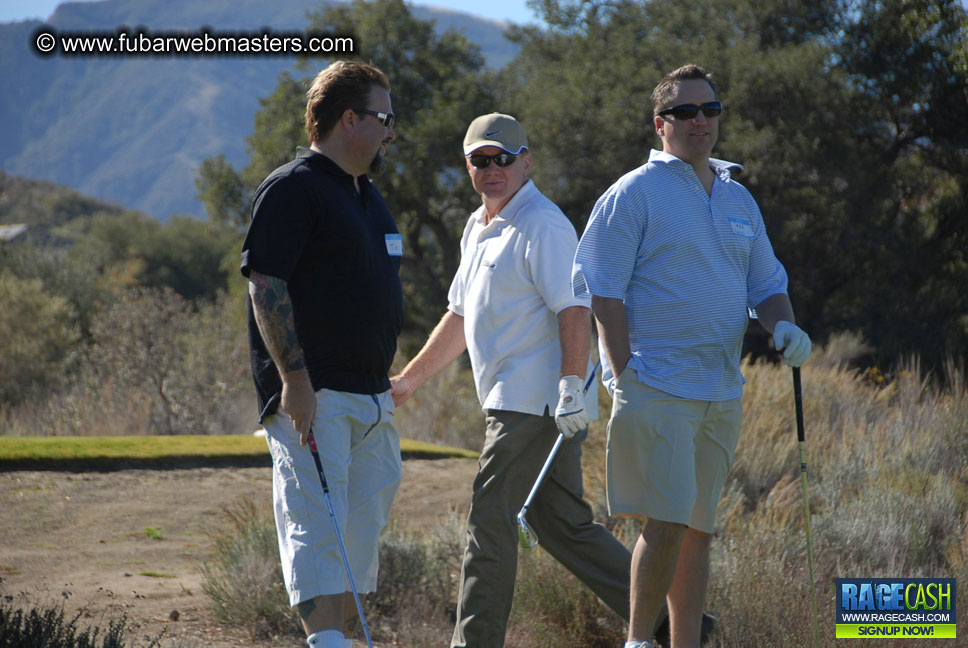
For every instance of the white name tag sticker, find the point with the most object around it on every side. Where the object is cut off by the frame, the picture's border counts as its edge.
(741, 227)
(394, 244)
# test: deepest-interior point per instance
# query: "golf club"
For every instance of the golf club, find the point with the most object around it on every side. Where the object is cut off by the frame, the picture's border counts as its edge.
(339, 536)
(798, 398)
(526, 535)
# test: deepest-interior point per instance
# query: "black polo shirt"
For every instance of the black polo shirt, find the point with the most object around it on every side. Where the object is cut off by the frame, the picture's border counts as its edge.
(330, 244)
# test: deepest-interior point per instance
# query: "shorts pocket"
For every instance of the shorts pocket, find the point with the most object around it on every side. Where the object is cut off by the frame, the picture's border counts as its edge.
(286, 483)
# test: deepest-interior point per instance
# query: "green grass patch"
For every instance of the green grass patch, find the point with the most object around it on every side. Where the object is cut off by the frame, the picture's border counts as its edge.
(22, 453)
(154, 574)
(411, 449)
(154, 533)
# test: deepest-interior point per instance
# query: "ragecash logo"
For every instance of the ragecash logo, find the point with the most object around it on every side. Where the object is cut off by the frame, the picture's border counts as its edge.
(884, 608)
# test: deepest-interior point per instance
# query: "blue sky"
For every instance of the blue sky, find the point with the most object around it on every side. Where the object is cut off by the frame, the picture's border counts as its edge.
(511, 10)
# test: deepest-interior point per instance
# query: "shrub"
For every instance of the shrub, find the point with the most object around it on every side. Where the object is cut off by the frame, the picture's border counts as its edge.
(37, 332)
(417, 584)
(49, 627)
(412, 604)
(243, 579)
(888, 492)
(155, 364)
(553, 608)
(887, 482)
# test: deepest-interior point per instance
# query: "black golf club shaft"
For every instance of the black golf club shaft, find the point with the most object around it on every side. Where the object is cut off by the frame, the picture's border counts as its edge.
(798, 400)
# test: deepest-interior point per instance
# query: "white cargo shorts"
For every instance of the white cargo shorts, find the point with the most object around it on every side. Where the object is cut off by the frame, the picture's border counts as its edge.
(359, 449)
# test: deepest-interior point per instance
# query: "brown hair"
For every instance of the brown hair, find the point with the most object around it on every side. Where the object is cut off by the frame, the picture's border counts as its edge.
(663, 92)
(343, 85)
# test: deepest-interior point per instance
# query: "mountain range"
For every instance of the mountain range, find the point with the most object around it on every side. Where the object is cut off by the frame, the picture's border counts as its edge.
(133, 130)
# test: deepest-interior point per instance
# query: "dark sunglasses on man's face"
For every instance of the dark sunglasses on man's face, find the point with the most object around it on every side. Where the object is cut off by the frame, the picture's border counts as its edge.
(386, 118)
(483, 161)
(689, 111)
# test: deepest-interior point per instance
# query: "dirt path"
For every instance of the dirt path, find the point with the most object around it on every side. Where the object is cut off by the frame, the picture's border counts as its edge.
(89, 535)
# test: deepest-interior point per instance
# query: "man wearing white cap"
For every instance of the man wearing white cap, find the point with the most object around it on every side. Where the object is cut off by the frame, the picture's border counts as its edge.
(511, 306)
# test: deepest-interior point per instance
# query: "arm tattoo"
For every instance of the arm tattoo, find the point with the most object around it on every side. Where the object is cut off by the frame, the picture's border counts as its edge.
(273, 314)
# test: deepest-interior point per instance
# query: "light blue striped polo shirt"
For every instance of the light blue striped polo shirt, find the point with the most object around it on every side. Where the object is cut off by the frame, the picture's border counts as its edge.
(687, 265)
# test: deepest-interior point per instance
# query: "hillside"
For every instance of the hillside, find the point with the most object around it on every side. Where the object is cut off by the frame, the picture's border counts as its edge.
(44, 206)
(133, 130)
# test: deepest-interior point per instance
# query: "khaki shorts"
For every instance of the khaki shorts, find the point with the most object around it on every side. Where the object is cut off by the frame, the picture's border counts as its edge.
(360, 453)
(668, 457)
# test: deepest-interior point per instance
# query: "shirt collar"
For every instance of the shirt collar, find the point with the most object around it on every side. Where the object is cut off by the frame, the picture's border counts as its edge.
(661, 157)
(513, 206)
(316, 158)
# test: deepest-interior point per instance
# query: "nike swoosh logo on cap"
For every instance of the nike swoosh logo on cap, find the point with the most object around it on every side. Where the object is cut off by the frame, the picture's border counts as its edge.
(490, 133)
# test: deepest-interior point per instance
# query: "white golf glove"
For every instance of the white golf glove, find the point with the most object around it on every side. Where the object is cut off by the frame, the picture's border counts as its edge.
(570, 414)
(794, 343)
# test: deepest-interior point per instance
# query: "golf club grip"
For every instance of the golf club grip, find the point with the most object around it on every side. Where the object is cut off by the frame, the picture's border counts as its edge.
(319, 464)
(798, 399)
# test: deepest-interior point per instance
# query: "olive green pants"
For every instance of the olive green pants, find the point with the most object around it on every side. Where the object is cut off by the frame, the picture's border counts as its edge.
(515, 448)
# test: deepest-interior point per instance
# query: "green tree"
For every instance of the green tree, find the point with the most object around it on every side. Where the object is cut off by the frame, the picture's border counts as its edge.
(849, 116)
(279, 127)
(38, 332)
(221, 190)
(912, 117)
(186, 255)
(62, 272)
(130, 249)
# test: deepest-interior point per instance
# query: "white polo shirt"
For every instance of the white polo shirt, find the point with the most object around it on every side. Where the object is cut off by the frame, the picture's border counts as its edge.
(514, 279)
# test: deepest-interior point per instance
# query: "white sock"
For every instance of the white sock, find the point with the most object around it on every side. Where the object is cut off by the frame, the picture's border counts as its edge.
(325, 639)
(638, 644)
(347, 643)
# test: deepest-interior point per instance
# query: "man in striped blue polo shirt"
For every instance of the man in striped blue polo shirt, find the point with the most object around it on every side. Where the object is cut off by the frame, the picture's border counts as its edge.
(673, 255)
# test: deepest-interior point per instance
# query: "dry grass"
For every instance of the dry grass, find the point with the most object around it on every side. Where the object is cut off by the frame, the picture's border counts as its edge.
(155, 364)
(242, 579)
(553, 608)
(888, 487)
(413, 605)
(887, 466)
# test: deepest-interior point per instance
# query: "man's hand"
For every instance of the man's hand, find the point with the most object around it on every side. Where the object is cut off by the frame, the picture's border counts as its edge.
(570, 414)
(401, 389)
(299, 402)
(794, 343)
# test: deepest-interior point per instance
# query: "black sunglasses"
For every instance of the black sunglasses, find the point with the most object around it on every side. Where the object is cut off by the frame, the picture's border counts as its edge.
(386, 118)
(689, 111)
(483, 161)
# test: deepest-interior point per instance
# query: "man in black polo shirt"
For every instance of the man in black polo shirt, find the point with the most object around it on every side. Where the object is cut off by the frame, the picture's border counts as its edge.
(322, 256)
